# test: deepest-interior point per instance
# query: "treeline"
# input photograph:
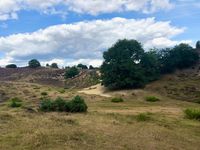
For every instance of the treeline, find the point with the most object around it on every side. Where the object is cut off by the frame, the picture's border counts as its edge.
(34, 63)
(127, 65)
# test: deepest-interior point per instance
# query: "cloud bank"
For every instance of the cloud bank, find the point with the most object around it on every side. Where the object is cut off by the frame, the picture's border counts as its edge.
(84, 41)
(9, 9)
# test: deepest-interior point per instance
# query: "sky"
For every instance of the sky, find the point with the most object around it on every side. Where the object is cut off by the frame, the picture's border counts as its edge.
(69, 32)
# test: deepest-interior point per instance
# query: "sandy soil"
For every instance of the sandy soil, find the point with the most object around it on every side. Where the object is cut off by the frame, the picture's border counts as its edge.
(96, 90)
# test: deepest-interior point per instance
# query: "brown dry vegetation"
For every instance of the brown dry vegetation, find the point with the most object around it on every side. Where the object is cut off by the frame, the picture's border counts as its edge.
(106, 125)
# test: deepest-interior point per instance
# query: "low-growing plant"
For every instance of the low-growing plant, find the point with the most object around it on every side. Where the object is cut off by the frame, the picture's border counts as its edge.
(152, 99)
(44, 93)
(117, 100)
(15, 102)
(143, 117)
(77, 104)
(61, 91)
(192, 113)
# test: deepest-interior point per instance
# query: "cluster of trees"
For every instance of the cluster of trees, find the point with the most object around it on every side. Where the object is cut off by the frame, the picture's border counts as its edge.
(127, 65)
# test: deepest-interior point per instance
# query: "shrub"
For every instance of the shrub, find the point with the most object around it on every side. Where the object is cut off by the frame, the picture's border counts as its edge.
(117, 100)
(59, 104)
(61, 91)
(11, 66)
(143, 117)
(152, 99)
(192, 113)
(77, 104)
(54, 65)
(71, 72)
(15, 102)
(46, 105)
(44, 93)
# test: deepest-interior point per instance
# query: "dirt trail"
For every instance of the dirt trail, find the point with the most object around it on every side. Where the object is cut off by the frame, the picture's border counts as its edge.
(96, 90)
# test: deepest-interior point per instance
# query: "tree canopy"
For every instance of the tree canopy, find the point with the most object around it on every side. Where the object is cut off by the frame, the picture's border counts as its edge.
(81, 66)
(71, 72)
(11, 66)
(34, 63)
(54, 65)
(198, 45)
(127, 65)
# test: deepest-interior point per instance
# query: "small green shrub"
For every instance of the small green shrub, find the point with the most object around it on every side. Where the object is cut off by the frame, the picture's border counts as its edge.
(15, 102)
(46, 105)
(192, 113)
(44, 93)
(117, 100)
(77, 104)
(143, 117)
(152, 99)
(61, 91)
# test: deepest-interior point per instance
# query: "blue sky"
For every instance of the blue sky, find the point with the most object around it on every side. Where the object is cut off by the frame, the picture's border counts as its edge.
(76, 31)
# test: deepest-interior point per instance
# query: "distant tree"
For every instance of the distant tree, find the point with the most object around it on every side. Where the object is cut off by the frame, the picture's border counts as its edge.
(82, 66)
(34, 63)
(47, 65)
(71, 72)
(11, 66)
(180, 57)
(54, 65)
(91, 67)
(121, 67)
(198, 45)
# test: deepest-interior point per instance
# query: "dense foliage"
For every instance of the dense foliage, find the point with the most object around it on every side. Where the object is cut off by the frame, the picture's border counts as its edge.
(11, 66)
(81, 66)
(198, 45)
(77, 104)
(127, 65)
(54, 65)
(71, 72)
(34, 63)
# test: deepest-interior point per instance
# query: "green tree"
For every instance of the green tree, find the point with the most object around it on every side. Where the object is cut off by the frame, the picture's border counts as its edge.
(180, 57)
(198, 45)
(91, 67)
(11, 66)
(151, 64)
(71, 72)
(82, 66)
(121, 67)
(34, 63)
(54, 65)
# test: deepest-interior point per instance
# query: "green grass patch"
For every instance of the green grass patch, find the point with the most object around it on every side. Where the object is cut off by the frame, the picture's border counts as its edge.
(152, 99)
(192, 113)
(15, 102)
(117, 100)
(143, 117)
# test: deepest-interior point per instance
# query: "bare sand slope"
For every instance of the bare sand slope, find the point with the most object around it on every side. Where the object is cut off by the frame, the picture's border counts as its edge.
(96, 90)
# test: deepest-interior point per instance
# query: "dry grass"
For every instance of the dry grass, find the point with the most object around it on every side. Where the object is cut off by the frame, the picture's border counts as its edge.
(107, 125)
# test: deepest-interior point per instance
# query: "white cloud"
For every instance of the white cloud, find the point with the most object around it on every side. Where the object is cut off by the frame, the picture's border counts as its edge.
(85, 41)
(10, 8)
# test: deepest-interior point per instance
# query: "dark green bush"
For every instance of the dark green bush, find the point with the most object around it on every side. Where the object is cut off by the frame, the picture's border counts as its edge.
(152, 99)
(117, 100)
(192, 113)
(34, 63)
(77, 104)
(11, 66)
(44, 93)
(15, 102)
(71, 72)
(46, 105)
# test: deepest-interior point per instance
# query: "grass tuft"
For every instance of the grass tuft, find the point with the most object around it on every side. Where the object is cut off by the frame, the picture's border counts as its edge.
(192, 113)
(117, 100)
(143, 117)
(15, 102)
(152, 99)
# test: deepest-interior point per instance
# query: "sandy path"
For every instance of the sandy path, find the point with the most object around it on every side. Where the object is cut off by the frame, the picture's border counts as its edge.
(96, 90)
